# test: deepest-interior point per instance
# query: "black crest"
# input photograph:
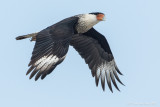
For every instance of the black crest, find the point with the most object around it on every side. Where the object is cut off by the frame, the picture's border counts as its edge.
(96, 13)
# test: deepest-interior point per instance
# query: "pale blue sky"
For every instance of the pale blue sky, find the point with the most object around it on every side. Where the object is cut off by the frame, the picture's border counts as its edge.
(132, 29)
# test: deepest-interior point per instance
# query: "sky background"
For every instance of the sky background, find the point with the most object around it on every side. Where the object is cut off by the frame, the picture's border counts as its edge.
(132, 29)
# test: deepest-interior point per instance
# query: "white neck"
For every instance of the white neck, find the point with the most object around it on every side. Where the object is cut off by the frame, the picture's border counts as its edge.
(86, 22)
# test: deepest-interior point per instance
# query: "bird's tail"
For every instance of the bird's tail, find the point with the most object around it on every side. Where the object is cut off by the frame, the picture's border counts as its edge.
(33, 35)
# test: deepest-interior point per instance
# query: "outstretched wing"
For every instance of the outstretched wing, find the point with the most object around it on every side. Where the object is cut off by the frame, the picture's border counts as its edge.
(94, 48)
(51, 48)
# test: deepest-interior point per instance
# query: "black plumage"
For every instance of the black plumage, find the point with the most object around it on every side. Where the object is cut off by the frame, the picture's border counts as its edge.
(94, 48)
(52, 45)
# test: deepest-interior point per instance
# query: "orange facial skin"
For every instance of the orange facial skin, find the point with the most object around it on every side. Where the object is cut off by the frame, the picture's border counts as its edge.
(100, 17)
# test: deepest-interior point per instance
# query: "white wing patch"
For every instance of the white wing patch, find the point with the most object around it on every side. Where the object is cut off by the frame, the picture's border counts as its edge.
(108, 70)
(106, 67)
(45, 61)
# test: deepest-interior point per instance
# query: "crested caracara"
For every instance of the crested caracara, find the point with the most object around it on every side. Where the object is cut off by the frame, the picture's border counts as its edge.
(53, 42)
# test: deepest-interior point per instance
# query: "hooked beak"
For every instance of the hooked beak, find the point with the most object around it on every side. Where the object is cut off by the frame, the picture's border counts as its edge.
(104, 18)
(101, 17)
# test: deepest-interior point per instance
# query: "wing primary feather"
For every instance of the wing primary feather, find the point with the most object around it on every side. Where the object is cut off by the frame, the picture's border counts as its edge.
(38, 75)
(93, 73)
(96, 80)
(33, 73)
(43, 76)
(97, 77)
(30, 69)
(47, 72)
(42, 71)
(113, 80)
(115, 74)
(118, 70)
(94, 70)
(109, 81)
(103, 80)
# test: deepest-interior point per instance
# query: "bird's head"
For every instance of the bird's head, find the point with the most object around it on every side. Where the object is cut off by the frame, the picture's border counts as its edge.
(87, 21)
(99, 16)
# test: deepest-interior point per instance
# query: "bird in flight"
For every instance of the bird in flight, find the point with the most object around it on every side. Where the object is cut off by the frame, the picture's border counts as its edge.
(52, 45)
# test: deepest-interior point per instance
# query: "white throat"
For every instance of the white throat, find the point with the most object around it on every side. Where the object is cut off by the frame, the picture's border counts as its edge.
(86, 22)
